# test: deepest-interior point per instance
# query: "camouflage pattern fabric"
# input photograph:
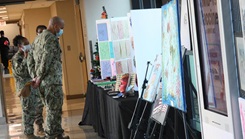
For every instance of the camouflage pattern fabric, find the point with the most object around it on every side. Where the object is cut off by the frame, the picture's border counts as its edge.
(32, 105)
(45, 63)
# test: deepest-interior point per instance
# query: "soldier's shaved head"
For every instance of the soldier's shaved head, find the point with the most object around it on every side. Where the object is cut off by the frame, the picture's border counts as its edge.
(56, 20)
(55, 24)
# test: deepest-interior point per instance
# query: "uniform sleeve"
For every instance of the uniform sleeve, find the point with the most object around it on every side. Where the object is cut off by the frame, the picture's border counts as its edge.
(49, 50)
(31, 64)
(19, 66)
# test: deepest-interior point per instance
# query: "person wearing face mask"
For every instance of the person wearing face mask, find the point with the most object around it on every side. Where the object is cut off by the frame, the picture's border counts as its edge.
(40, 29)
(20, 72)
(45, 68)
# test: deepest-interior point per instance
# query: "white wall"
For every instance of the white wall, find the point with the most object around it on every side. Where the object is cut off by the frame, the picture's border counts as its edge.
(10, 31)
(91, 11)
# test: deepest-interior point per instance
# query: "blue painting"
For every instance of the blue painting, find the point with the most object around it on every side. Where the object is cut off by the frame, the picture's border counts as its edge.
(172, 70)
(102, 32)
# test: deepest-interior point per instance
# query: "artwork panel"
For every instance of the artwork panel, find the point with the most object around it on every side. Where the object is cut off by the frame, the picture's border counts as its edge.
(172, 80)
(104, 50)
(105, 69)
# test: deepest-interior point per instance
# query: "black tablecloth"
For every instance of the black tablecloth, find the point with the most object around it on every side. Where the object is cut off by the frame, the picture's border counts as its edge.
(108, 116)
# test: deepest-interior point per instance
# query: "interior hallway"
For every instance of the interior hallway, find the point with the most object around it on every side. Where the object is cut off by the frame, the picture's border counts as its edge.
(72, 114)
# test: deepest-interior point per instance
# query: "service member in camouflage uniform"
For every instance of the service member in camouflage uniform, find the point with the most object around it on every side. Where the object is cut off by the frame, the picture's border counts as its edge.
(45, 66)
(30, 104)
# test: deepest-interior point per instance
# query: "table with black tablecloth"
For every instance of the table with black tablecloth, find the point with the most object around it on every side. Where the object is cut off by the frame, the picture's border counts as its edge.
(108, 116)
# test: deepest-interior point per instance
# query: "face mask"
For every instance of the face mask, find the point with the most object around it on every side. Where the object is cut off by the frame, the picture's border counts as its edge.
(59, 33)
(26, 48)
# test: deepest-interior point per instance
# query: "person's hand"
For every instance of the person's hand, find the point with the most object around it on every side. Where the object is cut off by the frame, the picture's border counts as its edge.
(36, 82)
(25, 54)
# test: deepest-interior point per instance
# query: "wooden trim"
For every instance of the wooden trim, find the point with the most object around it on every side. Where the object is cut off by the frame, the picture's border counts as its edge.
(68, 97)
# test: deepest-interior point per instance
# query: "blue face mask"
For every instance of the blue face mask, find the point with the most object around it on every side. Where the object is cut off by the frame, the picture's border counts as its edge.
(59, 33)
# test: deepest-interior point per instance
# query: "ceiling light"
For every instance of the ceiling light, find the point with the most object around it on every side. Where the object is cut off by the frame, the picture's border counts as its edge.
(1, 12)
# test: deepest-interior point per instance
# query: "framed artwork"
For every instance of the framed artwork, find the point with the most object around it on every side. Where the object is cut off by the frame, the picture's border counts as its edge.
(211, 61)
(172, 69)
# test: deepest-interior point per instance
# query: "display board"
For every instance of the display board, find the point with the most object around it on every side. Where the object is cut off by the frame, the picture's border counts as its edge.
(115, 50)
(216, 68)
(146, 24)
(172, 75)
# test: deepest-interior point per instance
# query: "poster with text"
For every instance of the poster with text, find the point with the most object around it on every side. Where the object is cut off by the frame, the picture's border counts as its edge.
(172, 71)
(103, 30)
(211, 58)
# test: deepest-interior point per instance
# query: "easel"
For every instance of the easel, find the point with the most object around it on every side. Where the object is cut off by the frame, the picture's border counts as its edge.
(149, 134)
(134, 123)
(176, 113)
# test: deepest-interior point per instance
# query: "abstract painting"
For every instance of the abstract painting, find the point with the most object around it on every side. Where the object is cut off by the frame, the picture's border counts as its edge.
(172, 70)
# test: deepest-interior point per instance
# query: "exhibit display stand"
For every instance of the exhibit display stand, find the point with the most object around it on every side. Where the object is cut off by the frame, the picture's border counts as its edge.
(215, 60)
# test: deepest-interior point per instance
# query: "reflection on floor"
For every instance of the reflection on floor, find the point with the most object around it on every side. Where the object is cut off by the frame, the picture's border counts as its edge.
(72, 114)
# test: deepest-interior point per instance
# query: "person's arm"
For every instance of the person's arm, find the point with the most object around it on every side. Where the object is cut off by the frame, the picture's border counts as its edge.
(31, 64)
(19, 66)
(49, 50)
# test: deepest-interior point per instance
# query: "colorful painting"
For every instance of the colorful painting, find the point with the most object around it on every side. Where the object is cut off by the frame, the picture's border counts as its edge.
(105, 69)
(104, 50)
(172, 79)
(151, 88)
(242, 114)
(159, 110)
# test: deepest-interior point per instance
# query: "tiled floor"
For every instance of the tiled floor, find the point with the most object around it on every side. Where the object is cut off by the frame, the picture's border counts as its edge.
(72, 114)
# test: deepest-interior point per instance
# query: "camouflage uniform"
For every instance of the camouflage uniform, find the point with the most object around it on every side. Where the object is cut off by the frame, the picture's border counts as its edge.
(44, 62)
(30, 105)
